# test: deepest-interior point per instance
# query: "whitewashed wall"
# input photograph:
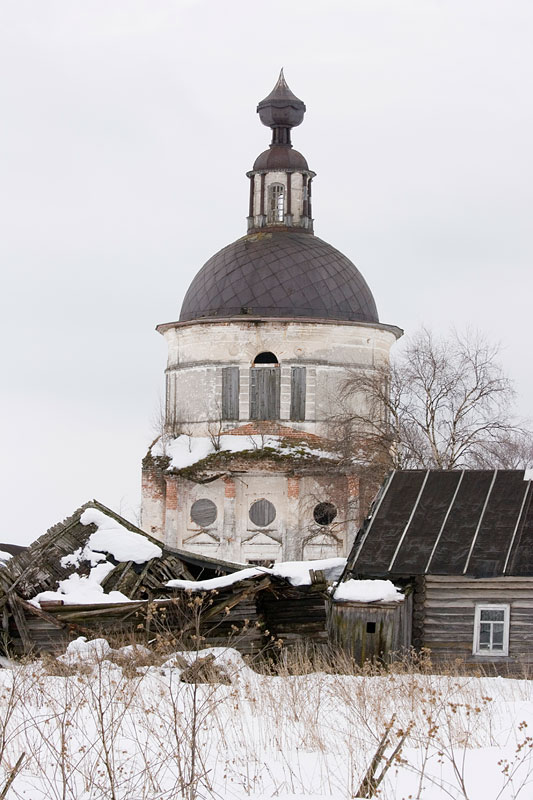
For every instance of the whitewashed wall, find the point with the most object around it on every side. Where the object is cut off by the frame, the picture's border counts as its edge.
(330, 351)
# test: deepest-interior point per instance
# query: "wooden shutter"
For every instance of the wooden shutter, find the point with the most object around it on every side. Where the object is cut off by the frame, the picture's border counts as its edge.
(203, 512)
(298, 381)
(262, 513)
(230, 392)
(264, 392)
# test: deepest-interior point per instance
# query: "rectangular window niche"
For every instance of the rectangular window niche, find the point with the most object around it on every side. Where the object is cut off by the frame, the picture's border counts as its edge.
(298, 391)
(230, 393)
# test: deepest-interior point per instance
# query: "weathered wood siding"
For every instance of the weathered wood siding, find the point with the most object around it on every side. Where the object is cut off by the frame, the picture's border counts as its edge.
(444, 613)
(298, 387)
(295, 614)
(369, 631)
(230, 392)
(264, 392)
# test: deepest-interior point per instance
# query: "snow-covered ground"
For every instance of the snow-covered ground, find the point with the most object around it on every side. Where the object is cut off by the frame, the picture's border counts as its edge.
(106, 731)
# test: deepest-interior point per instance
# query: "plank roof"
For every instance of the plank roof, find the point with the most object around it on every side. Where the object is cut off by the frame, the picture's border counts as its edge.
(438, 522)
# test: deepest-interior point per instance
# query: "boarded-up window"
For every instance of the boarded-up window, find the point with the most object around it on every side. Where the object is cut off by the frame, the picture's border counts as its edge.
(264, 392)
(230, 393)
(203, 512)
(262, 513)
(298, 394)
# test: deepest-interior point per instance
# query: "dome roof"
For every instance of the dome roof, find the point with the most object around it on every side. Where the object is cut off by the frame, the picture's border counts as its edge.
(279, 157)
(280, 274)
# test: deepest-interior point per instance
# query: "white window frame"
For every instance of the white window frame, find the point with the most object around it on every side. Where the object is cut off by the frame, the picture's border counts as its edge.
(276, 202)
(477, 629)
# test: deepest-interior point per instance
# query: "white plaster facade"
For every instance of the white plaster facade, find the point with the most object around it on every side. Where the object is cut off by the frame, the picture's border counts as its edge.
(292, 535)
(330, 351)
(197, 353)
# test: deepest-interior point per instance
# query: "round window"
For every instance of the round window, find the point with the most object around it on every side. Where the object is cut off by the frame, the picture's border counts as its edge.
(324, 513)
(203, 512)
(262, 513)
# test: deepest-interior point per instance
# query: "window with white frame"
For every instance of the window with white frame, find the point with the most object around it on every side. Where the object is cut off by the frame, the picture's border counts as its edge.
(491, 630)
(276, 202)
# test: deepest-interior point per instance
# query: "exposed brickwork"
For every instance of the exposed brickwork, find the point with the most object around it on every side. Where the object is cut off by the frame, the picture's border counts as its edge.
(293, 488)
(229, 487)
(153, 496)
(172, 494)
(153, 484)
(268, 428)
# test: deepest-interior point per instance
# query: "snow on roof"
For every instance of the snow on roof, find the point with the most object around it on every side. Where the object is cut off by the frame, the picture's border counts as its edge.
(5, 556)
(111, 538)
(368, 591)
(185, 450)
(296, 572)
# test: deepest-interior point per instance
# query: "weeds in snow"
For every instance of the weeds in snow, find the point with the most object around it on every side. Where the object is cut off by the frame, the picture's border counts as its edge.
(130, 723)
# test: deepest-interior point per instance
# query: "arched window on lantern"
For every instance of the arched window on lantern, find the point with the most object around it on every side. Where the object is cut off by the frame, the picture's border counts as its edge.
(276, 202)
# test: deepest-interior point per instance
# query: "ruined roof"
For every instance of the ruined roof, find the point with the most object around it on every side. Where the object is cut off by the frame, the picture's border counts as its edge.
(39, 567)
(465, 522)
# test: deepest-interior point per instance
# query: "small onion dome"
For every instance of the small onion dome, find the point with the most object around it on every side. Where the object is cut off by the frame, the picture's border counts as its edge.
(281, 109)
(280, 158)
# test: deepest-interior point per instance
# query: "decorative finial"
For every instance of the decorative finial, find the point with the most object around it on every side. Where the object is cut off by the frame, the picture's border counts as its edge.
(281, 110)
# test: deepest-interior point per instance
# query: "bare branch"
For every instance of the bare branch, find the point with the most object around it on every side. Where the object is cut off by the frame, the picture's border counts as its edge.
(443, 403)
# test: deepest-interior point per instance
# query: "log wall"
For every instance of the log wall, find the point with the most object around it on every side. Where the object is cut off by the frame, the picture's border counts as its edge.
(444, 613)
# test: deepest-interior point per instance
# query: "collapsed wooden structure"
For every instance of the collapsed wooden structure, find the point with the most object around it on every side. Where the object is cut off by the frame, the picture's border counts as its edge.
(252, 615)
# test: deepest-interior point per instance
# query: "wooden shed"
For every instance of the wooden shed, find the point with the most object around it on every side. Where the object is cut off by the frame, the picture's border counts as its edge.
(461, 542)
(370, 631)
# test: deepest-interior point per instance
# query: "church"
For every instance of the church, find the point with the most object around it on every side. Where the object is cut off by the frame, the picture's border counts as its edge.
(248, 467)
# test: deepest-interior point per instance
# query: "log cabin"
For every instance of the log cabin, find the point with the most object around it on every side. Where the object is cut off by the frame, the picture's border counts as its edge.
(460, 544)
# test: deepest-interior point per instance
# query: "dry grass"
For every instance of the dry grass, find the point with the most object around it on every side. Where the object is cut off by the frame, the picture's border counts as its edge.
(123, 723)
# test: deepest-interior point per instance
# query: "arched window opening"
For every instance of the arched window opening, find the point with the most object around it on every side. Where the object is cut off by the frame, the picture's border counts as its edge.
(265, 387)
(266, 358)
(276, 202)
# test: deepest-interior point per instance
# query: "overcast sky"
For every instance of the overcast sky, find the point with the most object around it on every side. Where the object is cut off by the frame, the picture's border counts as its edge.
(127, 128)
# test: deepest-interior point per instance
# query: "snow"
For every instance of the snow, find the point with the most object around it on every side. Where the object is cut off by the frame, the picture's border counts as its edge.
(297, 573)
(106, 728)
(368, 591)
(112, 538)
(81, 590)
(5, 556)
(528, 474)
(185, 450)
(82, 650)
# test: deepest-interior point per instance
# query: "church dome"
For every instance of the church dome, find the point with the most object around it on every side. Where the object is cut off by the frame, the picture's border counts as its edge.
(277, 157)
(280, 274)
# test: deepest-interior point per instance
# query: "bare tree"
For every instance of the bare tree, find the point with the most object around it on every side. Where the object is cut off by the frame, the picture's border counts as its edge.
(443, 403)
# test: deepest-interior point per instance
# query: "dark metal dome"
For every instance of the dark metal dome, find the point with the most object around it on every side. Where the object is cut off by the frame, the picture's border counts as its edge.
(279, 157)
(280, 274)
